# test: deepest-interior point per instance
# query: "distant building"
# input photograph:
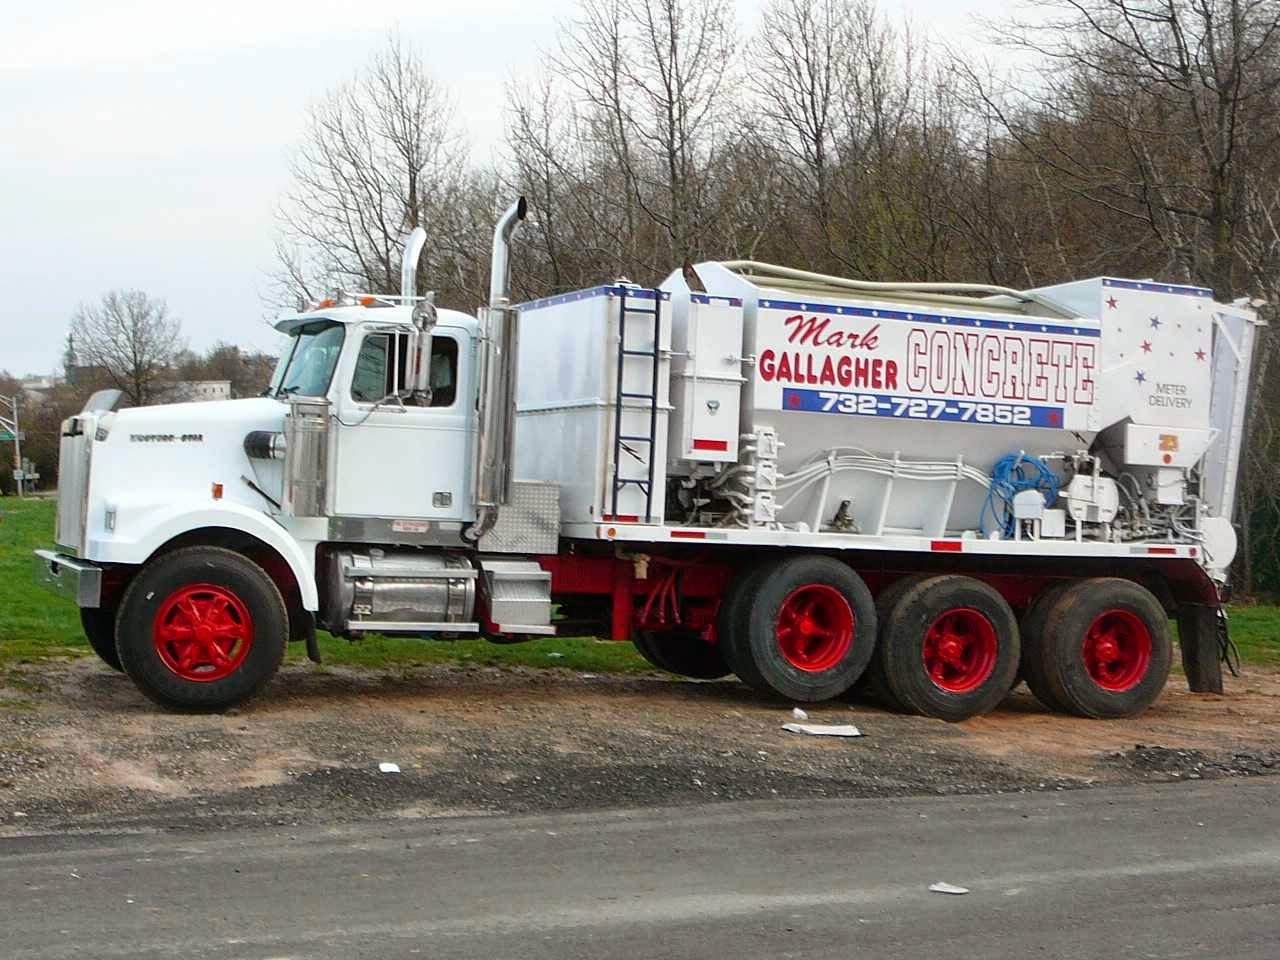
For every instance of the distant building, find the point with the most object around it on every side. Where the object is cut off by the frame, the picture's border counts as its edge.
(36, 389)
(78, 374)
(199, 390)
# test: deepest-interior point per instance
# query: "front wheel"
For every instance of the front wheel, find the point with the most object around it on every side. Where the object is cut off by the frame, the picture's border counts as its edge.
(100, 630)
(201, 628)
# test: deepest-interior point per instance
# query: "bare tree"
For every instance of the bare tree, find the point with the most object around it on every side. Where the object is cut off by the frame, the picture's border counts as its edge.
(803, 74)
(650, 75)
(1154, 110)
(381, 155)
(1159, 115)
(131, 340)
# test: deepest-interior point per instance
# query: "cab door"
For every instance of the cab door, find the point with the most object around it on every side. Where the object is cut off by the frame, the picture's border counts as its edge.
(396, 457)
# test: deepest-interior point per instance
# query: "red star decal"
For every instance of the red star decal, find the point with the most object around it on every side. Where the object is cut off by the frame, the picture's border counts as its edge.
(1146, 346)
(1054, 417)
(1199, 354)
(1111, 302)
(793, 400)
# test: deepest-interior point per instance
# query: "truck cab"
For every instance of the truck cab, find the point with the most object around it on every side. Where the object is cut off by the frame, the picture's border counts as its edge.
(358, 360)
(359, 493)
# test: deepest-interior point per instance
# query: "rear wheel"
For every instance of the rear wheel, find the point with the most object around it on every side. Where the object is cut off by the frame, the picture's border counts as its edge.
(100, 630)
(683, 653)
(201, 628)
(804, 629)
(1033, 643)
(950, 648)
(731, 618)
(1107, 649)
(872, 684)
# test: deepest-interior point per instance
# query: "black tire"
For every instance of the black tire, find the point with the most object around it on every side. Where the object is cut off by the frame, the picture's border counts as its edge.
(683, 653)
(1084, 679)
(231, 594)
(100, 630)
(1033, 642)
(731, 618)
(979, 631)
(805, 629)
(872, 685)
(640, 640)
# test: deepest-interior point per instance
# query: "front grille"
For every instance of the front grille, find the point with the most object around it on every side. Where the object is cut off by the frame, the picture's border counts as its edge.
(73, 483)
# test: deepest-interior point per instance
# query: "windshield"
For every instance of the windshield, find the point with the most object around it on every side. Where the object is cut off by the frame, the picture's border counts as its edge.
(307, 362)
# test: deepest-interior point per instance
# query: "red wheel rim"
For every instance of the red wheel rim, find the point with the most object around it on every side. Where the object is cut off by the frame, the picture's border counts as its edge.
(202, 632)
(815, 627)
(1117, 650)
(960, 650)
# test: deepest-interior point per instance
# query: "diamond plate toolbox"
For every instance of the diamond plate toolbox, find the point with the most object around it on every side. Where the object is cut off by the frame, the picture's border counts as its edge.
(530, 523)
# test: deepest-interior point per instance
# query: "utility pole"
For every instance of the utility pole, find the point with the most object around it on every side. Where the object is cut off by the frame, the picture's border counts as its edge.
(12, 426)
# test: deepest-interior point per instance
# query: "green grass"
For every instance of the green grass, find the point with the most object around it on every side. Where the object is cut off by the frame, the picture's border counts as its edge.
(1256, 631)
(33, 622)
(36, 625)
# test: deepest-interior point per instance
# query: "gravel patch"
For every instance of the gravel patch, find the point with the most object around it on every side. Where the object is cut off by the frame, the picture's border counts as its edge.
(87, 752)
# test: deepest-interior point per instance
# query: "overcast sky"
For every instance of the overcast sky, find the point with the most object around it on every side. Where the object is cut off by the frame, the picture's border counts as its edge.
(145, 144)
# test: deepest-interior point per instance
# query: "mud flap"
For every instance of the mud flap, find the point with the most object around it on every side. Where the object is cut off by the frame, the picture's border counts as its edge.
(309, 634)
(1201, 653)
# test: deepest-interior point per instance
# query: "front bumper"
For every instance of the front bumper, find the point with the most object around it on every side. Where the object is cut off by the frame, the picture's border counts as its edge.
(80, 580)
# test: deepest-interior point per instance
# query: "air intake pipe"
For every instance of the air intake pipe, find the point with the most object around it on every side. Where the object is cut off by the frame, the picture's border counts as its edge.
(496, 407)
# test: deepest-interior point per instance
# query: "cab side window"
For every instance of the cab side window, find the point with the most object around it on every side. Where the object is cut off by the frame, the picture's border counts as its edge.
(383, 360)
(444, 371)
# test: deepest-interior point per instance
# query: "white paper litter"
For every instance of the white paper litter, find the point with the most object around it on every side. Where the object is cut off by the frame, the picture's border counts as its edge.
(389, 767)
(947, 888)
(799, 714)
(823, 729)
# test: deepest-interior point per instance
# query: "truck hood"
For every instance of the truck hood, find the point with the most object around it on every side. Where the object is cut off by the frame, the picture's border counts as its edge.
(252, 413)
(149, 457)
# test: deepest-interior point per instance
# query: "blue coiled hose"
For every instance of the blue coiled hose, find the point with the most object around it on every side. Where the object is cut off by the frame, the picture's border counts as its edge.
(1013, 474)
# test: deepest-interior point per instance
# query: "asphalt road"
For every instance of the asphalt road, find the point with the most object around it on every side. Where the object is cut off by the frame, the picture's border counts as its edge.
(1179, 870)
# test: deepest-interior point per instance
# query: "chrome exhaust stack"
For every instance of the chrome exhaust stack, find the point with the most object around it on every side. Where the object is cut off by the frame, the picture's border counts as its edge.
(500, 262)
(496, 408)
(424, 317)
(409, 264)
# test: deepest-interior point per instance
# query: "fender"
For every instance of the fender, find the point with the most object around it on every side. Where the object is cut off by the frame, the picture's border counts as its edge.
(142, 528)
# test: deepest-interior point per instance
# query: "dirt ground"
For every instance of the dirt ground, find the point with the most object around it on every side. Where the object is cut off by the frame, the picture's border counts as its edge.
(80, 749)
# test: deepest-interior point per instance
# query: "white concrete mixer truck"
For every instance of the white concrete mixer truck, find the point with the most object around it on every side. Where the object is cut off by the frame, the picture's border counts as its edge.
(926, 490)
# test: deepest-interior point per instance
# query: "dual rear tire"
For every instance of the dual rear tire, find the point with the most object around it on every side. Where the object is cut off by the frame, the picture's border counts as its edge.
(1097, 648)
(802, 628)
(683, 653)
(806, 629)
(948, 647)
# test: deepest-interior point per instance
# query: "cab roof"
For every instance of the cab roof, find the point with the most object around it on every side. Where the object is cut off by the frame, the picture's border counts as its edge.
(398, 315)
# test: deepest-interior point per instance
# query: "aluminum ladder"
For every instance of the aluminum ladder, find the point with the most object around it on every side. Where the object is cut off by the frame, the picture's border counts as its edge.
(622, 441)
